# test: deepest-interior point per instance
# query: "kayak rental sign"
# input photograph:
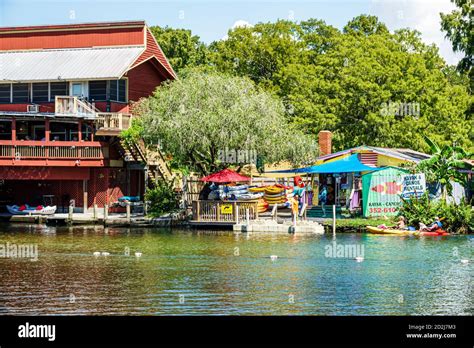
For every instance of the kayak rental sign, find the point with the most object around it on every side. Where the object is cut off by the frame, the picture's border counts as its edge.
(382, 190)
(413, 185)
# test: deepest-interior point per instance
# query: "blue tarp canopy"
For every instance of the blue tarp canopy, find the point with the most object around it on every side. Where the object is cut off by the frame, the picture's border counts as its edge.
(350, 164)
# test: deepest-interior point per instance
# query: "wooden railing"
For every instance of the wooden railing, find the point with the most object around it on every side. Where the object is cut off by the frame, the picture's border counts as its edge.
(19, 150)
(112, 120)
(219, 211)
(73, 106)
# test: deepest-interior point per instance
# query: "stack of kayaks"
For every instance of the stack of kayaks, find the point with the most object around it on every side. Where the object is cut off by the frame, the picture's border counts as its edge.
(262, 206)
(275, 195)
(238, 193)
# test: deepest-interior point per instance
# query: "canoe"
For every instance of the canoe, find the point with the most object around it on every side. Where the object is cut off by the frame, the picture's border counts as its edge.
(434, 233)
(376, 230)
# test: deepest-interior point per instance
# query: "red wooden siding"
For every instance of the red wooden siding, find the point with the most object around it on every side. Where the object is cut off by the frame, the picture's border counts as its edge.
(143, 80)
(43, 173)
(153, 49)
(44, 107)
(71, 39)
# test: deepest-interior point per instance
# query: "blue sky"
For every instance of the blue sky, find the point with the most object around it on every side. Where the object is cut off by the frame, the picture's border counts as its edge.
(211, 19)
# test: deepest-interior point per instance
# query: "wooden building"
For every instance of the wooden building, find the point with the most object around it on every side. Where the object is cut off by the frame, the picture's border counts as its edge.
(65, 96)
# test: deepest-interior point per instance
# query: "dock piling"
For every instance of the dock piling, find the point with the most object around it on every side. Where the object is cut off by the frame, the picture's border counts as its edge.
(128, 212)
(70, 213)
(334, 220)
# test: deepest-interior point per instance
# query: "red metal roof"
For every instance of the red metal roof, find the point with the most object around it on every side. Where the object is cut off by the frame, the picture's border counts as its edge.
(62, 27)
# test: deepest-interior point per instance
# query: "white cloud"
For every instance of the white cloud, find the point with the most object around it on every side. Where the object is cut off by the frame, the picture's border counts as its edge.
(422, 15)
(239, 24)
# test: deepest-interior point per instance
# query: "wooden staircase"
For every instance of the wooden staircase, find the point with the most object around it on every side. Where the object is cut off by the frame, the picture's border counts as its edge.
(136, 151)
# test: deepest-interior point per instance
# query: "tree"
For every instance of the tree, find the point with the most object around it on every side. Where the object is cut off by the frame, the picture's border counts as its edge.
(445, 165)
(180, 47)
(381, 90)
(365, 84)
(202, 115)
(260, 51)
(459, 28)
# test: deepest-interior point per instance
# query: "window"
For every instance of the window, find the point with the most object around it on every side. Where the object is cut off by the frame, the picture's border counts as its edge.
(59, 88)
(97, 90)
(118, 90)
(5, 93)
(20, 93)
(113, 90)
(40, 92)
(122, 94)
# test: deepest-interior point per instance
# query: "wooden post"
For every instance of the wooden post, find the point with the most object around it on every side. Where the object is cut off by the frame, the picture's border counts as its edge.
(237, 217)
(247, 216)
(128, 212)
(79, 130)
(84, 187)
(218, 212)
(95, 212)
(198, 212)
(106, 212)
(13, 129)
(70, 214)
(47, 131)
(234, 209)
(334, 219)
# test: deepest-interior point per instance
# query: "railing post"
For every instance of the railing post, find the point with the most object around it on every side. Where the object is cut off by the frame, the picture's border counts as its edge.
(106, 212)
(198, 210)
(120, 121)
(218, 213)
(237, 217)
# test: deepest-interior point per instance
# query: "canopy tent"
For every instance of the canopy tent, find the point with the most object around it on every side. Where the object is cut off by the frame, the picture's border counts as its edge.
(225, 175)
(350, 164)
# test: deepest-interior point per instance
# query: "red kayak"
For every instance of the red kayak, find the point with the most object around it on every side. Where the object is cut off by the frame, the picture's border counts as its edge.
(434, 233)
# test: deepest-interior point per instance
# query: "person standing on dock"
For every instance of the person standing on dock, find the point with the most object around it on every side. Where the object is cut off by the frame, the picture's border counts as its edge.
(295, 205)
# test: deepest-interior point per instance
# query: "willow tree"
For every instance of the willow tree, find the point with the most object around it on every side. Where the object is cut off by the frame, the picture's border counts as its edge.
(199, 117)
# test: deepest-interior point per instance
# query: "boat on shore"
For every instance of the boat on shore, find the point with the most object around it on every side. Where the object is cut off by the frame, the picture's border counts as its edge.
(15, 210)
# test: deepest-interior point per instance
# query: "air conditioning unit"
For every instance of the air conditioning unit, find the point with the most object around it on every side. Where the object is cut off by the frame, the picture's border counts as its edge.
(32, 108)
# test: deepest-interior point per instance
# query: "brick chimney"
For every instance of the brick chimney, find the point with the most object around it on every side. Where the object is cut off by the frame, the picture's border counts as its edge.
(325, 142)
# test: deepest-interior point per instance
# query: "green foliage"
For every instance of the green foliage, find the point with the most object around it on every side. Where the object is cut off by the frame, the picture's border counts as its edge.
(456, 218)
(163, 199)
(418, 209)
(196, 117)
(180, 47)
(444, 165)
(459, 28)
(343, 81)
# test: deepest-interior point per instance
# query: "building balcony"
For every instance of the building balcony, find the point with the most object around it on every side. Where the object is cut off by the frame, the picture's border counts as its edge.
(107, 123)
(69, 107)
(53, 153)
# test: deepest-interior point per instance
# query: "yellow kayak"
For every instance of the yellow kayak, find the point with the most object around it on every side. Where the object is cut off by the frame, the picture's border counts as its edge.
(257, 189)
(376, 230)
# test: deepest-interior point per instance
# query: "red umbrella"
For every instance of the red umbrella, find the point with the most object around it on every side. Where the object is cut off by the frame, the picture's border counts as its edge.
(225, 175)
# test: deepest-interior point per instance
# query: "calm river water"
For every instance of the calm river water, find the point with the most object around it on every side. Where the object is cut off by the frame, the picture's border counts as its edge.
(182, 272)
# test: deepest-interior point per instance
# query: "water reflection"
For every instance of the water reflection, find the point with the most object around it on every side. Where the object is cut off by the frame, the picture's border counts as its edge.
(200, 272)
